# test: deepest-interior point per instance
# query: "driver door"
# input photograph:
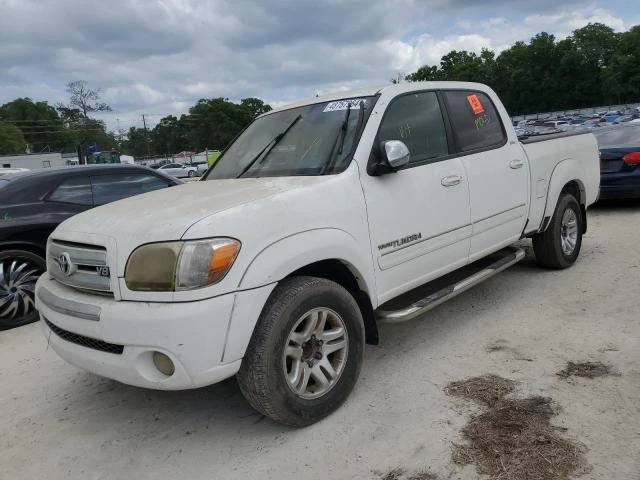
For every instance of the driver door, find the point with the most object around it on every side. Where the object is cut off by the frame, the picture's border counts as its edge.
(419, 217)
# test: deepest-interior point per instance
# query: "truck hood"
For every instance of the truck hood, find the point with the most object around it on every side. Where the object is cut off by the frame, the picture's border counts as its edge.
(168, 213)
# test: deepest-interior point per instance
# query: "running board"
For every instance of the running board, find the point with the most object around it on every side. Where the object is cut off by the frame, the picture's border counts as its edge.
(506, 258)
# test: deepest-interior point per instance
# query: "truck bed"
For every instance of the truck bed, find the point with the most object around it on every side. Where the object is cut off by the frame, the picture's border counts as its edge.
(545, 154)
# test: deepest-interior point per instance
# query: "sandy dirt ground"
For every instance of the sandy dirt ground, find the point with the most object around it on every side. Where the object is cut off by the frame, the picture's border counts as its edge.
(58, 422)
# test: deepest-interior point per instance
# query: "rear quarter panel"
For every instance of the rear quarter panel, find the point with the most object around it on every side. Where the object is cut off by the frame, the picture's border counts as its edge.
(556, 162)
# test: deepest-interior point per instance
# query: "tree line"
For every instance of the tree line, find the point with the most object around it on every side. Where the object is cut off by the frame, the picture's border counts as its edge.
(28, 126)
(210, 124)
(35, 126)
(594, 66)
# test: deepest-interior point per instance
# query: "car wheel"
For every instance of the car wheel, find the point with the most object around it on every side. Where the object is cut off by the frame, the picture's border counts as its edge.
(305, 354)
(559, 246)
(19, 271)
(191, 173)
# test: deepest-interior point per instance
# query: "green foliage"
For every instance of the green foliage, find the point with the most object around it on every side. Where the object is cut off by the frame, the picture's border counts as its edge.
(594, 66)
(211, 123)
(11, 139)
(39, 122)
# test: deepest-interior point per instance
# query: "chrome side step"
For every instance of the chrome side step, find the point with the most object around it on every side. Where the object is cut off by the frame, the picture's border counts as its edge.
(512, 256)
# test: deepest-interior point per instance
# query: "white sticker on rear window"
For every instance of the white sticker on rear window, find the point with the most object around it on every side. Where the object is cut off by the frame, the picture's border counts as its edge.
(343, 105)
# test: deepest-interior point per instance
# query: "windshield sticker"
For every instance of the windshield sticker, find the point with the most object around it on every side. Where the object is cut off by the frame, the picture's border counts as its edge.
(343, 105)
(475, 103)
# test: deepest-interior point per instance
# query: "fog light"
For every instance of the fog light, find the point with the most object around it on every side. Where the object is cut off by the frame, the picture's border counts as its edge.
(163, 363)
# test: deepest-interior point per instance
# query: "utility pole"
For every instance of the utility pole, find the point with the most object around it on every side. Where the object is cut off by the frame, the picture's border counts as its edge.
(144, 122)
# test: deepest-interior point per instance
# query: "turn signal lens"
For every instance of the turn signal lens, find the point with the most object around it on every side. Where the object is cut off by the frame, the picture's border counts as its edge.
(631, 158)
(205, 262)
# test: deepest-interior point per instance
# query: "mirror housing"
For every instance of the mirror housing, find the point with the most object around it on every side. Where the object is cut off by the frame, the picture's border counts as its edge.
(396, 153)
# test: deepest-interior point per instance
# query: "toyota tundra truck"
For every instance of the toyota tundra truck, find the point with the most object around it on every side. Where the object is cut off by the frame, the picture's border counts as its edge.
(322, 219)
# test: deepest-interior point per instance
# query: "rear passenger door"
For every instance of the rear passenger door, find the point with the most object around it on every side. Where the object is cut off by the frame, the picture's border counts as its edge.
(108, 188)
(496, 170)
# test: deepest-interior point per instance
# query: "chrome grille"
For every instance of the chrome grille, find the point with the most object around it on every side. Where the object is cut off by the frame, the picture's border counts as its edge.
(79, 266)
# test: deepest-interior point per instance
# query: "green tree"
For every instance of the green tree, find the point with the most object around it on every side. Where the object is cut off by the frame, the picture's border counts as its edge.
(170, 135)
(137, 142)
(42, 127)
(11, 139)
(622, 77)
(255, 106)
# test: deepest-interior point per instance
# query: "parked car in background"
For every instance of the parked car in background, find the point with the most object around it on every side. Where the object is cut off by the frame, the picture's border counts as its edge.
(34, 203)
(201, 167)
(619, 161)
(7, 171)
(178, 170)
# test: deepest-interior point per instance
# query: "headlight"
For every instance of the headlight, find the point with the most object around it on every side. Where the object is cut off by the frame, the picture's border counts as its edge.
(171, 266)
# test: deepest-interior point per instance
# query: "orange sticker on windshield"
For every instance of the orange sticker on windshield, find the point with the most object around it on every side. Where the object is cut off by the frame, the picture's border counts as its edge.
(476, 106)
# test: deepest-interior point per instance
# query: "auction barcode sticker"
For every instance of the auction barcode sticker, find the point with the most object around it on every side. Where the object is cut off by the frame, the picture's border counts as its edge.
(343, 105)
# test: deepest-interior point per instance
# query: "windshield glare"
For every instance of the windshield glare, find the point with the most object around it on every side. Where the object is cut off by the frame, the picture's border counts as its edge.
(310, 146)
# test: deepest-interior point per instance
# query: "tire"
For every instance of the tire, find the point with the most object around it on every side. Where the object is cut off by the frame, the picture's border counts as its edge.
(191, 173)
(267, 376)
(551, 247)
(19, 271)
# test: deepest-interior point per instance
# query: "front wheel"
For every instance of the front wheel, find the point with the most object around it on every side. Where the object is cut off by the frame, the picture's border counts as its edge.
(559, 246)
(191, 173)
(19, 271)
(306, 352)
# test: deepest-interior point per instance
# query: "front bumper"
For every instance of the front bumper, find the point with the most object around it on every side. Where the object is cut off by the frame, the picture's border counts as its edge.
(194, 335)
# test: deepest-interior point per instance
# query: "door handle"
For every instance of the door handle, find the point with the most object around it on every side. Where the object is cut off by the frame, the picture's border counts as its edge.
(517, 163)
(451, 180)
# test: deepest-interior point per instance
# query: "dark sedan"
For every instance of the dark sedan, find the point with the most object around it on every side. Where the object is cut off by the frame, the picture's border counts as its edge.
(33, 204)
(619, 161)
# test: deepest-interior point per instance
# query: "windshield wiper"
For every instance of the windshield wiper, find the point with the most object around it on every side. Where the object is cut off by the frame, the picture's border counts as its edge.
(342, 135)
(262, 154)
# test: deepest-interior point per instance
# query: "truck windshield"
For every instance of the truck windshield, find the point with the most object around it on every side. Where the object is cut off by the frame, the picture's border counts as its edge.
(310, 140)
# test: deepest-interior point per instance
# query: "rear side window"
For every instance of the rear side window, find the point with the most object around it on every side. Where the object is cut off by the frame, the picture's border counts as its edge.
(416, 119)
(474, 119)
(76, 190)
(109, 188)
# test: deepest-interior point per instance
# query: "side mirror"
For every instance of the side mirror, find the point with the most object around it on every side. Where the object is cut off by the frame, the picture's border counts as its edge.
(396, 153)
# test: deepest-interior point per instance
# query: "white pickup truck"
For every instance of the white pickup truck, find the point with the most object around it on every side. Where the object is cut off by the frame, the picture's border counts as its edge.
(321, 219)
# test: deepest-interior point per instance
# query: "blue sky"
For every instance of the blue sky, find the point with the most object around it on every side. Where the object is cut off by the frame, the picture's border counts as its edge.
(159, 56)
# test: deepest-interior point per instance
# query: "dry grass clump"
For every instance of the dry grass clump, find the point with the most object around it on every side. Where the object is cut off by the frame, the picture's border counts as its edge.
(514, 439)
(586, 370)
(394, 474)
(487, 389)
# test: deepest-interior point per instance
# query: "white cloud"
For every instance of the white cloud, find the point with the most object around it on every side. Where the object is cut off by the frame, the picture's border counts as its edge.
(159, 56)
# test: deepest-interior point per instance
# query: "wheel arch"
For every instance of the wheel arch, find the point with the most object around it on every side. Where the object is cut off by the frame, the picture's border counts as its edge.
(325, 253)
(566, 178)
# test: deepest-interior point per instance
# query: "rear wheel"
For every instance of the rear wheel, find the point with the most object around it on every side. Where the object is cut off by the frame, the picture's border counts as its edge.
(19, 271)
(306, 352)
(559, 246)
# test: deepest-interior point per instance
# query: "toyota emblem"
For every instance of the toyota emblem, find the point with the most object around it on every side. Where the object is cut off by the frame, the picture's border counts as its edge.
(64, 264)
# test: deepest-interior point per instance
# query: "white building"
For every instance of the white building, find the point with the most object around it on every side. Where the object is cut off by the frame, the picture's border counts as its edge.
(36, 161)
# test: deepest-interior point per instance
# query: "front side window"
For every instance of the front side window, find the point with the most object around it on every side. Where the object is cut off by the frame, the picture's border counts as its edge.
(475, 121)
(76, 190)
(309, 140)
(416, 120)
(112, 187)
